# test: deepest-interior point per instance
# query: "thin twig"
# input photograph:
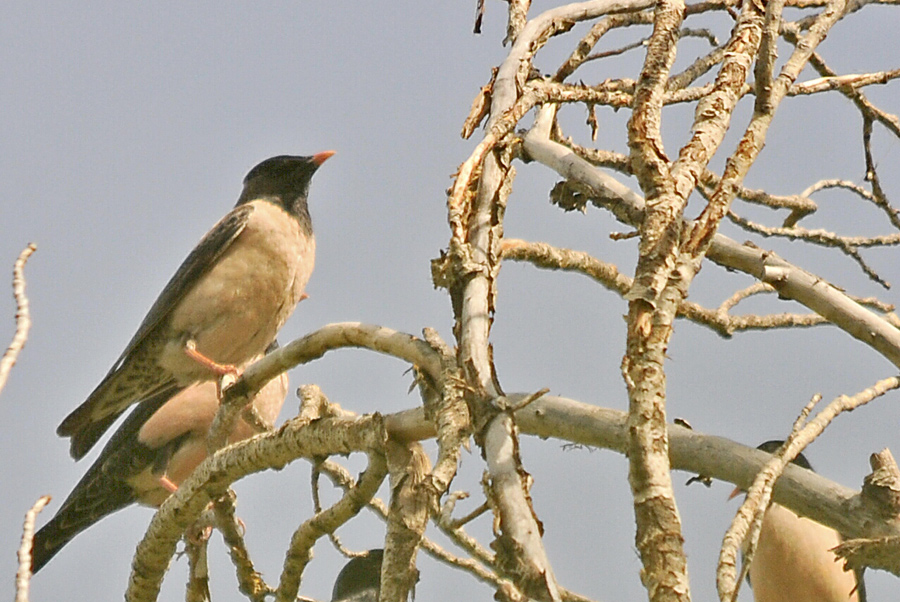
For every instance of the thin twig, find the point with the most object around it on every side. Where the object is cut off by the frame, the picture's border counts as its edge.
(849, 245)
(250, 581)
(197, 588)
(300, 550)
(892, 214)
(23, 575)
(23, 315)
(850, 80)
(791, 33)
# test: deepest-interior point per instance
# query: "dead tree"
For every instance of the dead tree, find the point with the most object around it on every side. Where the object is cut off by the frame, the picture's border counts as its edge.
(526, 111)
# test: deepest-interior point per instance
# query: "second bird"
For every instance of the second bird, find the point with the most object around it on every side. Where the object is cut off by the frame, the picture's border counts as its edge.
(156, 448)
(223, 306)
(794, 561)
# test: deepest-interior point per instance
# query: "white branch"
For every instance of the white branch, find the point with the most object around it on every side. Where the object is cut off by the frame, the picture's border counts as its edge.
(789, 280)
(23, 316)
(804, 492)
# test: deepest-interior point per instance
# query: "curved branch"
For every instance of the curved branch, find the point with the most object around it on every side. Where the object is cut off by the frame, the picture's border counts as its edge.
(298, 438)
(327, 521)
(749, 516)
(546, 256)
(313, 346)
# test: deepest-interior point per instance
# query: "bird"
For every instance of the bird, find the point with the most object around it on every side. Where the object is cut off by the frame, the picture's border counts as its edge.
(157, 446)
(360, 579)
(793, 560)
(223, 306)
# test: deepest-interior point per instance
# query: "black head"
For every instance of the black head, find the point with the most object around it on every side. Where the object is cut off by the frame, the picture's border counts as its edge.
(773, 446)
(283, 179)
(361, 573)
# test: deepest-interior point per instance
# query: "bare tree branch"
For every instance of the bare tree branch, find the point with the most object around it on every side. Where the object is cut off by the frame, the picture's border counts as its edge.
(849, 245)
(850, 80)
(296, 439)
(23, 575)
(806, 493)
(411, 501)
(883, 484)
(549, 257)
(327, 521)
(250, 581)
(790, 281)
(23, 316)
(792, 32)
(314, 346)
(196, 549)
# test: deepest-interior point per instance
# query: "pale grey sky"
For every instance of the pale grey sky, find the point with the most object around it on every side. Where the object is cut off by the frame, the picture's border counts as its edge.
(126, 130)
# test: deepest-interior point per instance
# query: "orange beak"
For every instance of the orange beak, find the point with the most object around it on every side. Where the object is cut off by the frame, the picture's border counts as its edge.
(320, 158)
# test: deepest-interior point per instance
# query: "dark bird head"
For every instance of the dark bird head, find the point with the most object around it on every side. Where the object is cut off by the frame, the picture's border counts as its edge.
(774, 445)
(359, 577)
(771, 447)
(284, 180)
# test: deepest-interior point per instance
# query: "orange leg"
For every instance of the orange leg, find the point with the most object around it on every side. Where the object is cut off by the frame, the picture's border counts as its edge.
(190, 348)
(167, 484)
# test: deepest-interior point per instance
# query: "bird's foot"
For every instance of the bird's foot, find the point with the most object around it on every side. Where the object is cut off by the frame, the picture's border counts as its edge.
(190, 348)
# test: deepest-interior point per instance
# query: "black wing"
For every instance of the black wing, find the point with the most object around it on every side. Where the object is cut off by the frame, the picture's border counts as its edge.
(120, 388)
(198, 263)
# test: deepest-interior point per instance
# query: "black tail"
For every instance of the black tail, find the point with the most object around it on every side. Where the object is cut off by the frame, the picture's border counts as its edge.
(49, 540)
(104, 488)
(96, 495)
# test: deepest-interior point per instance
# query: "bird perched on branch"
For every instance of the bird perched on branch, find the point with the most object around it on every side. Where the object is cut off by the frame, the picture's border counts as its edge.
(158, 446)
(223, 306)
(360, 579)
(793, 560)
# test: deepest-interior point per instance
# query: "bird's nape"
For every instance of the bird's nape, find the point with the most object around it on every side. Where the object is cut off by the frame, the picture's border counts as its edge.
(286, 177)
